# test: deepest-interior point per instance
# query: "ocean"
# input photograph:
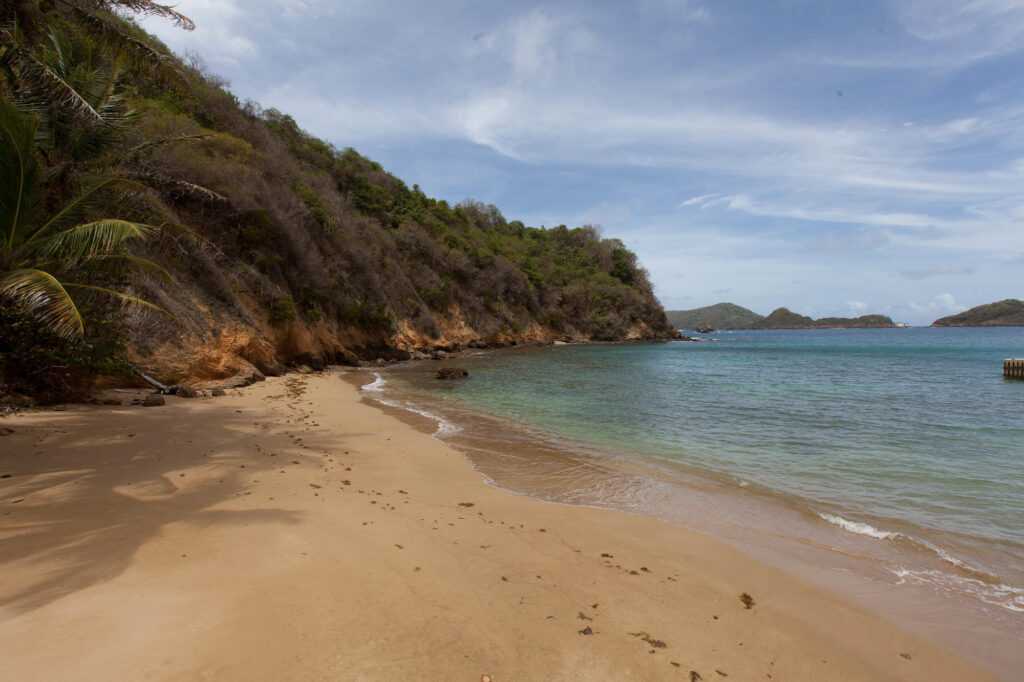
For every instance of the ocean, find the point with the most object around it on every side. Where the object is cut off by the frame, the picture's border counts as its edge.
(887, 464)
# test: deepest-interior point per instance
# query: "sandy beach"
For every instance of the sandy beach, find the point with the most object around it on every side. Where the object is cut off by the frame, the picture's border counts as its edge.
(292, 530)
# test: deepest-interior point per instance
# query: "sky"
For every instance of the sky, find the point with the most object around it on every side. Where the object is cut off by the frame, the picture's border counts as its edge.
(836, 157)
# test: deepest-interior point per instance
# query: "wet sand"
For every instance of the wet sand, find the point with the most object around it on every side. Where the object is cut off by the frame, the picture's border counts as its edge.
(291, 530)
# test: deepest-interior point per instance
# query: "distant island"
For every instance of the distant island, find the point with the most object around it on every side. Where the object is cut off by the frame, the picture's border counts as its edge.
(732, 316)
(718, 316)
(1007, 313)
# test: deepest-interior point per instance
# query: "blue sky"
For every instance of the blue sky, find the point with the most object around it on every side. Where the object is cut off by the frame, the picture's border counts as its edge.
(836, 157)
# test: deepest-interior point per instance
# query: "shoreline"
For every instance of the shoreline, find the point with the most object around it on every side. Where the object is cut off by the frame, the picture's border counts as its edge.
(219, 538)
(892, 573)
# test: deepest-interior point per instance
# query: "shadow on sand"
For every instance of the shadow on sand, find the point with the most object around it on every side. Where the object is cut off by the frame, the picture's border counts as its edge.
(85, 489)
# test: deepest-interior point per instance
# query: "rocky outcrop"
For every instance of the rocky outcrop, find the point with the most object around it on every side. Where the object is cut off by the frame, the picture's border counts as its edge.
(451, 373)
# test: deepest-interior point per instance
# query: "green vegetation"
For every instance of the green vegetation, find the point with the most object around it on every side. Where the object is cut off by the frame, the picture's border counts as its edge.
(783, 318)
(72, 192)
(1007, 313)
(732, 316)
(718, 316)
(271, 226)
(862, 322)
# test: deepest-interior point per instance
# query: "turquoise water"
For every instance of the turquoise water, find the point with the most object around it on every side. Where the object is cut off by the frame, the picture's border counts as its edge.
(903, 447)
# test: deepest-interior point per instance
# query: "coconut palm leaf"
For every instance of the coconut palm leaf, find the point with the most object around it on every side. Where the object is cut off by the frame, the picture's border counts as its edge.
(19, 172)
(130, 304)
(134, 6)
(94, 197)
(167, 182)
(135, 262)
(82, 242)
(112, 38)
(44, 299)
(39, 83)
(150, 145)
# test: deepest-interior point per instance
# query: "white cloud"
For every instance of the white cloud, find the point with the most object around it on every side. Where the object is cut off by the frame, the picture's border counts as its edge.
(994, 24)
(943, 303)
(699, 201)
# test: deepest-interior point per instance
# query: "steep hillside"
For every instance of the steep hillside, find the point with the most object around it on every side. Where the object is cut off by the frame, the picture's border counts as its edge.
(1007, 313)
(311, 254)
(718, 316)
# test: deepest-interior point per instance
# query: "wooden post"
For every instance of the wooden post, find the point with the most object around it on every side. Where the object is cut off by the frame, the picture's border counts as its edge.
(1013, 368)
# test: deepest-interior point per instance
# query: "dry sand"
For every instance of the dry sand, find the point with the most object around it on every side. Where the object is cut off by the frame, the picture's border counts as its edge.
(292, 531)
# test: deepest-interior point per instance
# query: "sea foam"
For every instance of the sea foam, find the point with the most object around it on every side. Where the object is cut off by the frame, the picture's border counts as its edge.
(376, 388)
(996, 594)
(859, 528)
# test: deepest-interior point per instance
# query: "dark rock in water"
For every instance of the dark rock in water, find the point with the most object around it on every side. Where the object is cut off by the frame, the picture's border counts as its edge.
(452, 373)
(153, 401)
(186, 391)
(217, 392)
(380, 362)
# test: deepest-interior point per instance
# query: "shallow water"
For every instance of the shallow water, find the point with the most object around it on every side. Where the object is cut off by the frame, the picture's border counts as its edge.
(892, 455)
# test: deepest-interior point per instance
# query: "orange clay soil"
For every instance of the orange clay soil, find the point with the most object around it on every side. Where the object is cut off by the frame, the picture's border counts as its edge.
(292, 531)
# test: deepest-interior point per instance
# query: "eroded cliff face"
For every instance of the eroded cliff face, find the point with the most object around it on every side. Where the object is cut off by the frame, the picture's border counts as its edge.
(221, 350)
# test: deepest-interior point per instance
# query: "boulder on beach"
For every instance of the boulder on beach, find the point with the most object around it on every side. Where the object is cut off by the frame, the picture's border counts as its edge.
(186, 391)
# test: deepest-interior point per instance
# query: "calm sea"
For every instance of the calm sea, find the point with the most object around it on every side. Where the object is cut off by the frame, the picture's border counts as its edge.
(888, 461)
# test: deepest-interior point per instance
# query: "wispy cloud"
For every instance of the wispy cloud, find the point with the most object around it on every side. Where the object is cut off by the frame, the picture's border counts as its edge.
(939, 271)
(703, 133)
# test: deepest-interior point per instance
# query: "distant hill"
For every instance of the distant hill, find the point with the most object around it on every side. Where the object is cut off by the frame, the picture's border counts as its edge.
(862, 322)
(718, 316)
(732, 316)
(783, 318)
(1008, 313)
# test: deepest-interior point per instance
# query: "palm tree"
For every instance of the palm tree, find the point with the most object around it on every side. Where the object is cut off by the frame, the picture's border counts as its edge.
(49, 241)
(25, 26)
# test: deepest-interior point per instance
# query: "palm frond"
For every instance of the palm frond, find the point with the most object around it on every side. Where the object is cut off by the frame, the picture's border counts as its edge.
(44, 299)
(167, 182)
(83, 242)
(136, 7)
(38, 82)
(137, 262)
(132, 305)
(115, 40)
(19, 172)
(148, 145)
(94, 196)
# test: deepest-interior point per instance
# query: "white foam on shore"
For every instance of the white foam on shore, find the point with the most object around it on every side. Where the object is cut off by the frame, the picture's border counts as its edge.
(376, 387)
(859, 528)
(997, 594)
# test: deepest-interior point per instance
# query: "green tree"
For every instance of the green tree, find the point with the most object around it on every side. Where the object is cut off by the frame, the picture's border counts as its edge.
(48, 246)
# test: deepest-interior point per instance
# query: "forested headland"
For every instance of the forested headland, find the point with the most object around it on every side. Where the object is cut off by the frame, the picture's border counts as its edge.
(136, 182)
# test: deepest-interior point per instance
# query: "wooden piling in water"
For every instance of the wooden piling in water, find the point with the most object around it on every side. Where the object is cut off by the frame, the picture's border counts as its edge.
(1013, 368)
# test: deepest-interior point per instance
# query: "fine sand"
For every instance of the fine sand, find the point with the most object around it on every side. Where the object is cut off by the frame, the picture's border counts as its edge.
(292, 531)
